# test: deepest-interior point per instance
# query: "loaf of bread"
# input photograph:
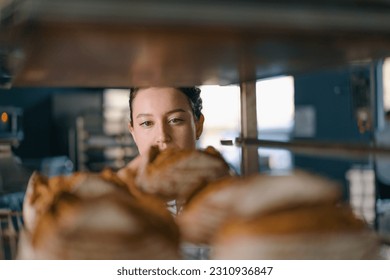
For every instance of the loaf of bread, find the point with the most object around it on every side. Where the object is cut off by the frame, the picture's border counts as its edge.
(151, 201)
(324, 231)
(40, 193)
(176, 174)
(110, 226)
(97, 217)
(41, 190)
(266, 193)
(249, 196)
(207, 210)
(239, 216)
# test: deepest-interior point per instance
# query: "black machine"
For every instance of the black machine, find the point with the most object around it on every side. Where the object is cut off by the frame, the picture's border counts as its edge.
(13, 176)
(13, 180)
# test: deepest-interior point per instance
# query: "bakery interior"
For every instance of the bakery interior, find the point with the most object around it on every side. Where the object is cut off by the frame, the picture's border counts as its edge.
(286, 85)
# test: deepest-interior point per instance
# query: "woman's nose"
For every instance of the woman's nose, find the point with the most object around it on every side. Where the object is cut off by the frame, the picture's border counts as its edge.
(163, 135)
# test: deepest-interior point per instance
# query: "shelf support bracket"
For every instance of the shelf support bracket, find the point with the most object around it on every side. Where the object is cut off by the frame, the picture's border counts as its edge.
(249, 154)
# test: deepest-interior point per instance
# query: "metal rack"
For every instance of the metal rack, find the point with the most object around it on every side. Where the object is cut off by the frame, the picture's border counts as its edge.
(10, 224)
(126, 43)
(56, 43)
(93, 147)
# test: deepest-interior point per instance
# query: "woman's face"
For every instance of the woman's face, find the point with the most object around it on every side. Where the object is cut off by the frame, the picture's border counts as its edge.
(163, 117)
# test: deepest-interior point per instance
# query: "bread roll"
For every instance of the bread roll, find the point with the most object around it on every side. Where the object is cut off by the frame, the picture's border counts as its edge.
(263, 193)
(323, 231)
(297, 216)
(207, 210)
(249, 196)
(40, 193)
(97, 184)
(95, 216)
(176, 174)
(41, 190)
(159, 205)
(109, 226)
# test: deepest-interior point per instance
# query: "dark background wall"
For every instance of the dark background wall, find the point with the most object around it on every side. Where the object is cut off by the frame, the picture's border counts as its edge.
(48, 114)
(332, 95)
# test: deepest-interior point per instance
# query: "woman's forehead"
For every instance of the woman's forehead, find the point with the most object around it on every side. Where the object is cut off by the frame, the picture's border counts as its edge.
(160, 99)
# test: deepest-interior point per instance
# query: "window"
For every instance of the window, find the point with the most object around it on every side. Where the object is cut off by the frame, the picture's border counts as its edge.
(275, 113)
(221, 108)
(275, 119)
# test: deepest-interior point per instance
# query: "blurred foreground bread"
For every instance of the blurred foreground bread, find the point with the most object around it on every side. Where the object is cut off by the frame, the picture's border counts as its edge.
(42, 190)
(176, 174)
(40, 193)
(98, 218)
(223, 199)
(111, 216)
(297, 216)
(307, 232)
(207, 210)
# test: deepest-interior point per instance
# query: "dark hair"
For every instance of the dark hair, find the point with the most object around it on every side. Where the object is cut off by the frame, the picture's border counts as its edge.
(192, 93)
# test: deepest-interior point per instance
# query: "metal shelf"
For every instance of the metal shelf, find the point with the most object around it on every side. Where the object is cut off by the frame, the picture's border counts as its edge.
(113, 43)
(314, 148)
(96, 151)
(116, 43)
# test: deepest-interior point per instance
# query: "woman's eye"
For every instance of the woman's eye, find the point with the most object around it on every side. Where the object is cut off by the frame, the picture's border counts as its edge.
(176, 121)
(146, 124)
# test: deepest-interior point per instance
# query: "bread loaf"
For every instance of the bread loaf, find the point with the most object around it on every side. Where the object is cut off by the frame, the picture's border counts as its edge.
(176, 174)
(40, 193)
(207, 210)
(111, 226)
(323, 231)
(96, 217)
(295, 216)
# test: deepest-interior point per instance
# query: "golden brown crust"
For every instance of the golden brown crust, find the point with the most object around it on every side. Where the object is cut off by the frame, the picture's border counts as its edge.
(41, 192)
(176, 174)
(82, 227)
(325, 218)
(249, 197)
(36, 186)
(207, 210)
(96, 216)
(153, 202)
(65, 182)
(264, 193)
(110, 176)
(163, 159)
(213, 188)
(324, 231)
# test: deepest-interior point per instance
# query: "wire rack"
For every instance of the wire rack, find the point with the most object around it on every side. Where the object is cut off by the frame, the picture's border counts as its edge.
(10, 224)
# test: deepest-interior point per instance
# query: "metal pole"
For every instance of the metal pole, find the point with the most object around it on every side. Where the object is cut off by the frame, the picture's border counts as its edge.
(249, 154)
(318, 149)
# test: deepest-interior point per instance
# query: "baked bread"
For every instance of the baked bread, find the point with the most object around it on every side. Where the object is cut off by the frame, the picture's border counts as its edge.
(176, 174)
(95, 216)
(40, 193)
(97, 184)
(207, 210)
(41, 190)
(324, 231)
(249, 196)
(297, 216)
(159, 205)
(108, 226)
(263, 193)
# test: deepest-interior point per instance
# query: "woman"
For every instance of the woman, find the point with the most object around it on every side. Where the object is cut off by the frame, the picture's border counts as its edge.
(164, 117)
